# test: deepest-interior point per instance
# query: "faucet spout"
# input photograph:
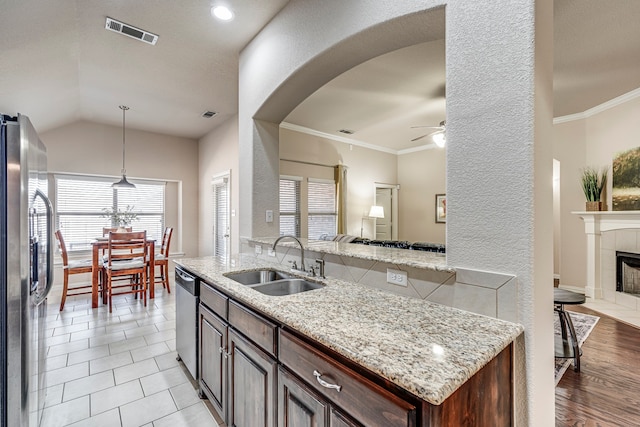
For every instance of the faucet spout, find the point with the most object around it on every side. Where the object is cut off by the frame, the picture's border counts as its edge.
(299, 244)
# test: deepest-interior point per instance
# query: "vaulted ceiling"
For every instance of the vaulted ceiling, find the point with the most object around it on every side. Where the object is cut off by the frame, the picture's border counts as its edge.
(60, 65)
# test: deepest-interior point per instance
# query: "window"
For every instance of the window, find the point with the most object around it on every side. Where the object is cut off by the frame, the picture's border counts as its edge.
(321, 208)
(81, 201)
(290, 205)
(221, 226)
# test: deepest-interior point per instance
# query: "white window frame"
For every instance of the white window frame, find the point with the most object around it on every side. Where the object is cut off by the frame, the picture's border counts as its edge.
(320, 214)
(221, 213)
(79, 243)
(297, 213)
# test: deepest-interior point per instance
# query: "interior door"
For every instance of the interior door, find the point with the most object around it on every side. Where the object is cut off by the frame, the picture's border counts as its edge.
(221, 217)
(384, 225)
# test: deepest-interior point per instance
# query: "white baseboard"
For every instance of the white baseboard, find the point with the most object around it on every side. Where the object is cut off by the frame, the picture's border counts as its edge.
(575, 289)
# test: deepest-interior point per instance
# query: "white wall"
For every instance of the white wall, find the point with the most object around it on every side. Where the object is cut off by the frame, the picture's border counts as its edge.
(499, 137)
(91, 148)
(218, 153)
(365, 167)
(569, 149)
(421, 176)
(591, 138)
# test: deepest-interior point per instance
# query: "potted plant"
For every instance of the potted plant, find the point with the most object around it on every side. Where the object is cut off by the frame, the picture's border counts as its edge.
(593, 182)
(120, 218)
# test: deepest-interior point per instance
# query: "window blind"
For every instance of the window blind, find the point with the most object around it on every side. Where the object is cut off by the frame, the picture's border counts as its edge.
(221, 218)
(81, 202)
(321, 208)
(290, 206)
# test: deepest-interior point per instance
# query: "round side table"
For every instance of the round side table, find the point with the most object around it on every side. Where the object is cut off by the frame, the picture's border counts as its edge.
(568, 347)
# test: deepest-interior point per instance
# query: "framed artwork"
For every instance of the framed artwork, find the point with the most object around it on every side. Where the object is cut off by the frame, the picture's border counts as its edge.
(441, 208)
(626, 181)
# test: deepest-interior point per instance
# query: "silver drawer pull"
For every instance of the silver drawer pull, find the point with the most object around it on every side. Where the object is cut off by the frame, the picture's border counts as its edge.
(325, 384)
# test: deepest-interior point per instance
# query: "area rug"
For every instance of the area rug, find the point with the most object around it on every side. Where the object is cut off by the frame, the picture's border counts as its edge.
(584, 324)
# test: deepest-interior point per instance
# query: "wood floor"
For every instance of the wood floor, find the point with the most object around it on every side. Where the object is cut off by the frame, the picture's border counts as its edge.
(606, 391)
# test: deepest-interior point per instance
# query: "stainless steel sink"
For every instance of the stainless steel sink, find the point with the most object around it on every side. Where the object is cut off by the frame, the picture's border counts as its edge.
(284, 287)
(257, 276)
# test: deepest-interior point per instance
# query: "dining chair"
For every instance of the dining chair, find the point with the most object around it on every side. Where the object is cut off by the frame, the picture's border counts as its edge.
(161, 259)
(127, 254)
(72, 267)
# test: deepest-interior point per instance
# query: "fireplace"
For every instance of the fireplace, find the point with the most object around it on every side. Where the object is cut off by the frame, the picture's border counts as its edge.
(628, 273)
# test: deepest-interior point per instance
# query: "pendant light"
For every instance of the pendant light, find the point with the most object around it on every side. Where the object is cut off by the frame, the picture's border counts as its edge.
(123, 183)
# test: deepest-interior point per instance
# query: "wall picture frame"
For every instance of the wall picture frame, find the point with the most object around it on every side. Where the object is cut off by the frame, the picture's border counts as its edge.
(441, 208)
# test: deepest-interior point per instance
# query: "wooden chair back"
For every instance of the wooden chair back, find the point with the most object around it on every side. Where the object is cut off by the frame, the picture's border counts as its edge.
(166, 241)
(63, 248)
(126, 246)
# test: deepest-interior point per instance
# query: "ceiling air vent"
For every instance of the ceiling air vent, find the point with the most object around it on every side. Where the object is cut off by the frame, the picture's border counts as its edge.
(128, 30)
(209, 114)
(346, 131)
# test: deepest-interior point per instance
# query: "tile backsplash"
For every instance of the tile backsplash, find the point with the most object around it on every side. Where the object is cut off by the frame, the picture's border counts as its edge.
(487, 293)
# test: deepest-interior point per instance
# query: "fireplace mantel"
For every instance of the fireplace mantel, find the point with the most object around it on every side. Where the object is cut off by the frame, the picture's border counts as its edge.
(595, 223)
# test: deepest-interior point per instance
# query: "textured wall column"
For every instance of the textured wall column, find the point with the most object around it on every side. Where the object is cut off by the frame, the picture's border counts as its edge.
(499, 169)
(499, 112)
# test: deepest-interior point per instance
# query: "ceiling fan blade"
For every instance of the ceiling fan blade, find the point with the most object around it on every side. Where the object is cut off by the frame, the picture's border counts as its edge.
(420, 137)
(430, 127)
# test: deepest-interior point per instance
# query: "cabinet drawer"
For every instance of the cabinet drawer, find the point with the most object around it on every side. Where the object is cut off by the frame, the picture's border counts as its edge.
(362, 399)
(253, 326)
(216, 301)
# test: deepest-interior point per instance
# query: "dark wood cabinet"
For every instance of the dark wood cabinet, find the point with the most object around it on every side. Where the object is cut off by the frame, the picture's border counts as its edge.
(362, 399)
(258, 373)
(213, 359)
(298, 405)
(338, 419)
(252, 384)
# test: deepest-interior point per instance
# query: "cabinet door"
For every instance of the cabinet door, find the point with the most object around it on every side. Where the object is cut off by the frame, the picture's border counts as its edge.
(338, 419)
(298, 405)
(213, 359)
(252, 384)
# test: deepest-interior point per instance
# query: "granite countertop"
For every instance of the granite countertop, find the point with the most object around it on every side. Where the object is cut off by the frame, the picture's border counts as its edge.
(410, 258)
(426, 348)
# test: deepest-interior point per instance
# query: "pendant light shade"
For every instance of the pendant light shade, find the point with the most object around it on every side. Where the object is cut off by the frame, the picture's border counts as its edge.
(123, 183)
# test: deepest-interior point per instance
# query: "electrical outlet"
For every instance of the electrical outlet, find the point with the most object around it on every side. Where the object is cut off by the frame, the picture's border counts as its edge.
(396, 277)
(258, 250)
(269, 216)
(271, 252)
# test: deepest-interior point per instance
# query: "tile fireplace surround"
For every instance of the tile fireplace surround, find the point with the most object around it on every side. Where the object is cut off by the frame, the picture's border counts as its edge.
(608, 232)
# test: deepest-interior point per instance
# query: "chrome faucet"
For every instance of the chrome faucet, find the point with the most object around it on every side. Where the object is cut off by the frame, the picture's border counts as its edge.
(301, 249)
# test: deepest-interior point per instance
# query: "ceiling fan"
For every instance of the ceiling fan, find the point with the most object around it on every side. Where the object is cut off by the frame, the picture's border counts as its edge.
(439, 135)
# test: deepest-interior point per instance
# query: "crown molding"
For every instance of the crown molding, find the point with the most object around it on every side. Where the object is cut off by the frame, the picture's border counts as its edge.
(622, 99)
(351, 141)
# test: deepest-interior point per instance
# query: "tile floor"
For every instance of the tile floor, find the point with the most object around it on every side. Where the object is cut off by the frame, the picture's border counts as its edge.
(118, 369)
(619, 312)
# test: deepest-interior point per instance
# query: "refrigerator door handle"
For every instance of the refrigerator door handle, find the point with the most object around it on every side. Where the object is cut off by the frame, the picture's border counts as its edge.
(50, 248)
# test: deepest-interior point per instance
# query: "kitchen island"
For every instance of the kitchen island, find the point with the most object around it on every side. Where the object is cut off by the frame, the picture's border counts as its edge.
(420, 351)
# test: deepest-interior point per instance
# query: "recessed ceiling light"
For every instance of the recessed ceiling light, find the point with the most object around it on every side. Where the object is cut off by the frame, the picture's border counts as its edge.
(222, 12)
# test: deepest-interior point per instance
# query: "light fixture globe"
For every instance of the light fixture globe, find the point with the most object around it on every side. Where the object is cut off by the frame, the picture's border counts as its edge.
(123, 183)
(223, 13)
(439, 138)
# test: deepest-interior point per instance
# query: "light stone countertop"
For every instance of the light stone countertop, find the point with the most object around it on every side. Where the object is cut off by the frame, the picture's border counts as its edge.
(410, 258)
(428, 349)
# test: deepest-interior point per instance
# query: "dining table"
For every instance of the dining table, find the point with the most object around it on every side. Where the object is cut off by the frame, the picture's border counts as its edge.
(102, 243)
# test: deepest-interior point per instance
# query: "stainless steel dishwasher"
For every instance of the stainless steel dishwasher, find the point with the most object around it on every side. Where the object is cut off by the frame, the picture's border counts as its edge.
(187, 301)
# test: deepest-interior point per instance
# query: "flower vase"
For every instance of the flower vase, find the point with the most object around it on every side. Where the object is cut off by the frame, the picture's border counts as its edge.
(593, 206)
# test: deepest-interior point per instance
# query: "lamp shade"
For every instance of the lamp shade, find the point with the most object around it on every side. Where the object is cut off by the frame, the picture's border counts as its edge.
(376, 212)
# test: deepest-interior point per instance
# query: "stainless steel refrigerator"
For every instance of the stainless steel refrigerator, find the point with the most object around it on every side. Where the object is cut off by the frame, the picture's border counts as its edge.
(26, 271)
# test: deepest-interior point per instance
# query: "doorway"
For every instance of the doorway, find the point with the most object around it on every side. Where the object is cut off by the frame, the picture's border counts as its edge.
(221, 216)
(386, 195)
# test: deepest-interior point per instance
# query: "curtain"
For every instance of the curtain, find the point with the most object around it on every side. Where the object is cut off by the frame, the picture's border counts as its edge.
(341, 196)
